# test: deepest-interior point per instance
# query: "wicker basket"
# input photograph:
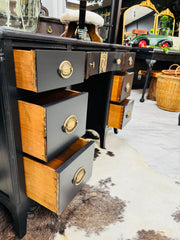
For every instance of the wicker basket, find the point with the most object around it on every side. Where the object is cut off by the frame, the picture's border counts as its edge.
(168, 92)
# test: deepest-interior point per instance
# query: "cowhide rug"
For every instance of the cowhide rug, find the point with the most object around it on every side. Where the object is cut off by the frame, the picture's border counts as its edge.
(124, 200)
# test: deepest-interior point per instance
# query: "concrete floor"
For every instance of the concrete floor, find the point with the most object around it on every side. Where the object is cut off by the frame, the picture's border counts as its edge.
(155, 134)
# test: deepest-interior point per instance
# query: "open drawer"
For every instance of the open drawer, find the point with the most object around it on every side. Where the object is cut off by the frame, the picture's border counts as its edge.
(42, 70)
(121, 87)
(55, 184)
(120, 114)
(51, 121)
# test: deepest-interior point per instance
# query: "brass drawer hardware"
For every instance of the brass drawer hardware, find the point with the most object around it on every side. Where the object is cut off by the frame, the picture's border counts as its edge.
(65, 69)
(130, 61)
(92, 65)
(70, 124)
(49, 29)
(118, 61)
(103, 62)
(79, 176)
(128, 114)
(128, 87)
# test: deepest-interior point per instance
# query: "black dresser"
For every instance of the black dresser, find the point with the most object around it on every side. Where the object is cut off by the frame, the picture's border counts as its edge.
(52, 89)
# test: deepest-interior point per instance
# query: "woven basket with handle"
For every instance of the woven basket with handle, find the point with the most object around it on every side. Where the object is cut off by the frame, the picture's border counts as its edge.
(168, 90)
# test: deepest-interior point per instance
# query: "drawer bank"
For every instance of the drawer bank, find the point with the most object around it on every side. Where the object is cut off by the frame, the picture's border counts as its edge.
(52, 89)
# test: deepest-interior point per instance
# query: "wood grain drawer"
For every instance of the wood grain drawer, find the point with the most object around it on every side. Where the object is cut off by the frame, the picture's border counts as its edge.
(55, 184)
(120, 114)
(42, 70)
(121, 87)
(128, 61)
(51, 121)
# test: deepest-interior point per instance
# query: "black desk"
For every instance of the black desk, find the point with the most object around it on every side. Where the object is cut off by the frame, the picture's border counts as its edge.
(12, 177)
(151, 56)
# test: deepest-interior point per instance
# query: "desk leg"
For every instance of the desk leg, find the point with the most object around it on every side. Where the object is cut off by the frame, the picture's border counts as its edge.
(149, 64)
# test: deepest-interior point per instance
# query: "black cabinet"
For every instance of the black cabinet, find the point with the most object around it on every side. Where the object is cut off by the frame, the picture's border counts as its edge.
(29, 102)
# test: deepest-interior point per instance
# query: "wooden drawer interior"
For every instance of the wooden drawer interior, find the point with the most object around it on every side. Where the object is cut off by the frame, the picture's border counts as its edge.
(34, 119)
(120, 114)
(49, 185)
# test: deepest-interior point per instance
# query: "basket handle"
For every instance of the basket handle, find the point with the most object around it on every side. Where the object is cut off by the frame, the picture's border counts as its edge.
(176, 70)
(175, 64)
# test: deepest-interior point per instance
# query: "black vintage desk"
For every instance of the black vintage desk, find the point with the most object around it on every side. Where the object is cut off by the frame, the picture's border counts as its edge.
(12, 177)
(151, 56)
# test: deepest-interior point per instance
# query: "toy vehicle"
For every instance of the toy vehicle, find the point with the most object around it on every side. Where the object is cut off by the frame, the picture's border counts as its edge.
(147, 40)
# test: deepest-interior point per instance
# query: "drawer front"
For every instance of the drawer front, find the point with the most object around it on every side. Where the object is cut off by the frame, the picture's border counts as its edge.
(60, 118)
(50, 27)
(115, 61)
(120, 114)
(70, 183)
(128, 61)
(92, 64)
(121, 87)
(43, 70)
(48, 129)
(55, 184)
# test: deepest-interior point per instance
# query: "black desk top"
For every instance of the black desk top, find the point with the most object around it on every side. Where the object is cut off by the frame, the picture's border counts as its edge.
(66, 43)
(156, 54)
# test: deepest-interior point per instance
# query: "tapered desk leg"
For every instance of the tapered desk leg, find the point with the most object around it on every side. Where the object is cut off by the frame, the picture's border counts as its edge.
(150, 63)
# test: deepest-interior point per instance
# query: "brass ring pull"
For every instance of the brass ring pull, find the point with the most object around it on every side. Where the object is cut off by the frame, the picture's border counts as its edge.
(118, 61)
(130, 61)
(79, 176)
(70, 124)
(128, 87)
(50, 30)
(65, 69)
(128, 114)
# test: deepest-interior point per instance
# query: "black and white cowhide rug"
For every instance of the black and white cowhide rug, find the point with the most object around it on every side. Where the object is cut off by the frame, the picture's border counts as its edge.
(125, 199)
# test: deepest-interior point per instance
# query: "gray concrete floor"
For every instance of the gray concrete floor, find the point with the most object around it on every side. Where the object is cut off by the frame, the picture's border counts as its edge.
(155, 134)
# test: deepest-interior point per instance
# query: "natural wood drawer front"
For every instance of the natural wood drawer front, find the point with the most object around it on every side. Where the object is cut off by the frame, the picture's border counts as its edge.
(51, 121)
(121, 87)
(120, 114)
(55, 184)
(42, 70)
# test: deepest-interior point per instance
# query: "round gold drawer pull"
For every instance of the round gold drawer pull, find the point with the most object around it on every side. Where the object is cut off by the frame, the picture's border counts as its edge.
(65, 69)
(130, 61)
(50, 30)
(79, 176)
(70, 124)
(128, 114)
(118, 61)
(92, 65)
(128, 87)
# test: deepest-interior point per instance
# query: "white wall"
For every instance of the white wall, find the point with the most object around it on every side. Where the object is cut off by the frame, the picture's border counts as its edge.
(55, 7)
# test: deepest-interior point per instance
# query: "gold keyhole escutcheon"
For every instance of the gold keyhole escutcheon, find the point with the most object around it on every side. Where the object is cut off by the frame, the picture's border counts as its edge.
(65, 69)
(128, 87)
(118, 61)
(79, 176)
(130, 61)
(128, 114)
(70, 124)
